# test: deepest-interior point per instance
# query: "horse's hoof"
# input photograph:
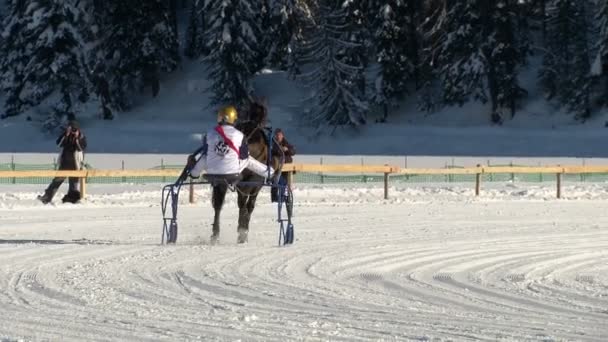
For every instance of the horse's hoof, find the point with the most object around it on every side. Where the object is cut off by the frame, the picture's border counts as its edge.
(214, 239)
(242, 236)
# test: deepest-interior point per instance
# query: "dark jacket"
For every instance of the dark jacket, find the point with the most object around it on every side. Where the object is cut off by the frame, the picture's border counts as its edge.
(72, 151)
(291, 151)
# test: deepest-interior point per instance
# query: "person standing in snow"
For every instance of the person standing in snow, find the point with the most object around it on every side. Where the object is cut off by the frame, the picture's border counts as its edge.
(225, 154)
(73, 144)
(281, 148)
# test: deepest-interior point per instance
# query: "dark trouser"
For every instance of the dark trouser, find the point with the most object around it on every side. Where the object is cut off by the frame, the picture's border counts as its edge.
(73, 190)
(274, 192)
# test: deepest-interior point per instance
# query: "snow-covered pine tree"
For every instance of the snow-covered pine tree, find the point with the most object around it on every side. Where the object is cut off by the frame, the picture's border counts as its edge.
(536, 13)
(336, 99)
(172, 9)
(233, 38)
(600, 65)
(430, 33)
(458, 59)
(136, 44)
(288, 18)
(46, 55)
(193, 48)
(297, 56)
(396, 51)
(13, 59)
(356, 31)
(4, 6)
(4, 14)
(566, 70)
(505, 54)
(474, 52)
(115, 56)
(159, 42)
(524, 27)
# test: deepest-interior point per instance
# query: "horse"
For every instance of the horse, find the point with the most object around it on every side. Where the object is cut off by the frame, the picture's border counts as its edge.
(250, 184)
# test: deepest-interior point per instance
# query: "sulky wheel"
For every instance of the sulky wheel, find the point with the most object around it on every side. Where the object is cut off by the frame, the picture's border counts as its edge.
(172, 238)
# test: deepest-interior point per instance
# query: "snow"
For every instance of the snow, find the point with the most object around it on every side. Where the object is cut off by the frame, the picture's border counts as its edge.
(226, 37)
(432, 263)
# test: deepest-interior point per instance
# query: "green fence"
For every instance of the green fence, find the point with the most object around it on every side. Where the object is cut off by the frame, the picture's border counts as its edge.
(316, 178)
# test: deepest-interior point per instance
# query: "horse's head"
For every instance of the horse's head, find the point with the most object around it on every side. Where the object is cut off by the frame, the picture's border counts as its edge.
(254, 128)
(258, 112)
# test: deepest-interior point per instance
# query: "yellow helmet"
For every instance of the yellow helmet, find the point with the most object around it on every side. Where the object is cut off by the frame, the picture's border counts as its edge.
(227, 114)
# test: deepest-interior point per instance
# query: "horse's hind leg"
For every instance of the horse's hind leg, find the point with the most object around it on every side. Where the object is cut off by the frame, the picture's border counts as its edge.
(242, 229)
(219, 194)
(246, 206)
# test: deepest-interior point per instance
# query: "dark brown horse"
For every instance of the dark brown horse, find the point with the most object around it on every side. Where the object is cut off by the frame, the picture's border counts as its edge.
(253, 126)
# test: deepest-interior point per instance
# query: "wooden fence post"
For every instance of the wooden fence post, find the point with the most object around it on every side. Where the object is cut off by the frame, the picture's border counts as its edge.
(124, 179)
(191, 194)
(559, 185)
(322, 179)
(83, 187)
(491, 174)
(477, 182)
(13, 168)
(162, 167)
(386, 177)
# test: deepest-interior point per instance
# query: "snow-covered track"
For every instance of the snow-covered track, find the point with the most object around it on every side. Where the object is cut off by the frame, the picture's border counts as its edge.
(426, 265)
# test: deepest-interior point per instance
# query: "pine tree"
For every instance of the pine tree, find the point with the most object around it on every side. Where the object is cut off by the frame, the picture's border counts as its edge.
(14, 58)
(357, 33)
(287, 20)
(566, 70)
(431, 35)
(459, 61)
(474, 52)
(506, 54)
(233, 39)
(542, 6)
(46, 56)
(4, 6)
(4, 18)
(336, 97)
(600, 65)
(194, 42)
(136, 44)
(396, 51)
(296, 49)
(172, 16)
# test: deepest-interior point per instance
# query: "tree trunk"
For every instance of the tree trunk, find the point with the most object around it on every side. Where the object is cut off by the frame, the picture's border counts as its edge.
(413, 39)
(385, 117)
(173, 16)
(543, 12)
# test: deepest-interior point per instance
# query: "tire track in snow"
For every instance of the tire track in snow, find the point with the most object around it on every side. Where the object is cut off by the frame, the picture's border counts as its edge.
(357, 272)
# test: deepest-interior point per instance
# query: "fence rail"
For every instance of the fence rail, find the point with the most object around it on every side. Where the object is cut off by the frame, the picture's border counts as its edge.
(385, 170)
